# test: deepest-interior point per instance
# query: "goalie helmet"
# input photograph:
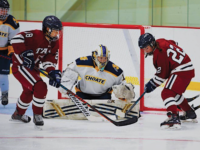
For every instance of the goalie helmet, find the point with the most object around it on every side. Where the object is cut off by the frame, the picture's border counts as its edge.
(4, 9)
(52, 23)
(101, 51)
(145, 40)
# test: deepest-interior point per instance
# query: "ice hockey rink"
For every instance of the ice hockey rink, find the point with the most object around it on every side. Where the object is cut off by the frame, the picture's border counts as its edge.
(82, 134)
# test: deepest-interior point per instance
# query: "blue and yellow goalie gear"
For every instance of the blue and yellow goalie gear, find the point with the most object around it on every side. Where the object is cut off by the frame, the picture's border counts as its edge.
(101, 51)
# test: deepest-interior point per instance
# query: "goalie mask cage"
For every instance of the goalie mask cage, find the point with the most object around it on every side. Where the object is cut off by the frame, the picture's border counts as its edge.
(80, 39)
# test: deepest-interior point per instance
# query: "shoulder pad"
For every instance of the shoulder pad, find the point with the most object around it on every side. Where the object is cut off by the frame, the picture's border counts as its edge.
(114, 69)
(86, 61)
(12, 22)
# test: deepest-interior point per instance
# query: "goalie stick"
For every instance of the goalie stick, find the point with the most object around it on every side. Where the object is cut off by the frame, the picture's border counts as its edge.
(76, 99)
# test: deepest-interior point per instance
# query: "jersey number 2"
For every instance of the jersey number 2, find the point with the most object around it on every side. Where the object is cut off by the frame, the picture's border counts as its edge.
(175, 53)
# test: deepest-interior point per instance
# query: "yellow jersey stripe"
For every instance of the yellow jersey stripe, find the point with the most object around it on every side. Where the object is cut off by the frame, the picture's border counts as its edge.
(3, 48)
(85, 66)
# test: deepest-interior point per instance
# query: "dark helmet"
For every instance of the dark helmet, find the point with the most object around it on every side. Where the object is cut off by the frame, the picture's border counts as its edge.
(145, 40)
(4, 7)
(53, 23)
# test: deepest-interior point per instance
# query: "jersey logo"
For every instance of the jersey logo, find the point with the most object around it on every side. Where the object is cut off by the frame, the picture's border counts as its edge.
(83, 58)
(95, 79)
(3, 34)
(115, 67)
(41, 50)
(15, 21)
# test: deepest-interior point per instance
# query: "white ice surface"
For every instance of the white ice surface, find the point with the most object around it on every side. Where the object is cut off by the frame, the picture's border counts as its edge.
(85, 135)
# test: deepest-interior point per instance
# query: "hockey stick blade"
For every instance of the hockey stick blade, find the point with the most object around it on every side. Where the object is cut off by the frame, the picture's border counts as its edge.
(193, 98)
(120, 123)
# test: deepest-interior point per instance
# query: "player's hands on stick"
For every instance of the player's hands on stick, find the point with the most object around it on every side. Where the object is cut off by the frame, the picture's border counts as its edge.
(150, 86)
(56, 76)
(28, 57)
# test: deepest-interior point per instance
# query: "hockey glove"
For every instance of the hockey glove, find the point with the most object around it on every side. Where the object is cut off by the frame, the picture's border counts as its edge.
(28, 57)
(150, 86)
(56, 75)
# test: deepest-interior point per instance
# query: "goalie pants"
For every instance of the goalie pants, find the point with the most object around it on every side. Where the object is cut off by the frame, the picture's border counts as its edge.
(34, 89)
(87, 96)
(172, 93)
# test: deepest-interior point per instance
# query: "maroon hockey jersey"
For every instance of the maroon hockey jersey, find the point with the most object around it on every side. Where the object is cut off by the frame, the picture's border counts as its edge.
(44, 51)
(171, 59)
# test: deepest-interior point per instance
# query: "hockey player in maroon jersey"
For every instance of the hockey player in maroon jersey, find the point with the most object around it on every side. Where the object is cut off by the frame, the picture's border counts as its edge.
(173, 64)
(30, 49)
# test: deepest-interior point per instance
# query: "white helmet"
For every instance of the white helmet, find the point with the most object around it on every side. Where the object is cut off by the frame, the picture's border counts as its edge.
(101, 51)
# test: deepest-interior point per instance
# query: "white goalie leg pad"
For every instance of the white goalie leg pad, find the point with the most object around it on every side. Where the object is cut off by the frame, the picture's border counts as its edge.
(66, 109)
(124, 91)
(69, 78)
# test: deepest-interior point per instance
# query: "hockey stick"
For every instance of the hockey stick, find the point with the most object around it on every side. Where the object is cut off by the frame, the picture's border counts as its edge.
(76, 99)
(190, 100)
(193, 98)
(122, 114)
(5, 57)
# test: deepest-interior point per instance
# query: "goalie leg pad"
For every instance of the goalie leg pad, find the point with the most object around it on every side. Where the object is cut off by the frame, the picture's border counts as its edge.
(73, 113)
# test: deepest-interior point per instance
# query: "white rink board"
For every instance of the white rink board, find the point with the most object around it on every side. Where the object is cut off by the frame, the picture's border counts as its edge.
(79, 42)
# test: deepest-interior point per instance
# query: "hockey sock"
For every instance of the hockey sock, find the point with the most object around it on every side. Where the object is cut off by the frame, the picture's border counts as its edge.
(173, 109)
(4, 84)
(184, 105)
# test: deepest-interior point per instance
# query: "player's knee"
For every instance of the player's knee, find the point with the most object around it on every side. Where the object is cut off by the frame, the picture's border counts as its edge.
(166, 93)
(40, 89)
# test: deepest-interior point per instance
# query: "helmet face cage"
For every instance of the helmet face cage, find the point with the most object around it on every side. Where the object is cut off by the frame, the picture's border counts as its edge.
(4, 12)
(4, 9)
(101, 51)
(48, 34)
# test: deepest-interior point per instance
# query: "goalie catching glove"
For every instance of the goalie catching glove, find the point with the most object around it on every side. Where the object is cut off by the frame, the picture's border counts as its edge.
(124, 91)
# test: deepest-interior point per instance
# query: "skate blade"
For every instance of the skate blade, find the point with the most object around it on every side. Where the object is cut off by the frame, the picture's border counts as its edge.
(189, 120)
(175, 126)
(39, 128)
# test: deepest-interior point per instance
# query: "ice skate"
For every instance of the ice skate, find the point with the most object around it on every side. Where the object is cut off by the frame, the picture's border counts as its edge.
(38, 121)
(20, 118)
(189, 116)
(4, 98)
(172, 122)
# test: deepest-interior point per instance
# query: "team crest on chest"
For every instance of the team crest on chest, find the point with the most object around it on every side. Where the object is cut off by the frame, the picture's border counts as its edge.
(3, 34)
(41, 50)
(95, 79)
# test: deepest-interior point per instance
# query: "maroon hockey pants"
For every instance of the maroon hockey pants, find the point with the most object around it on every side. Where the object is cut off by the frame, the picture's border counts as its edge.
(34, 89)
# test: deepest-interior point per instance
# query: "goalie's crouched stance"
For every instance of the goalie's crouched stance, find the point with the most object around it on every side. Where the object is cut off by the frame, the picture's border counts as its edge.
(98, 74)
